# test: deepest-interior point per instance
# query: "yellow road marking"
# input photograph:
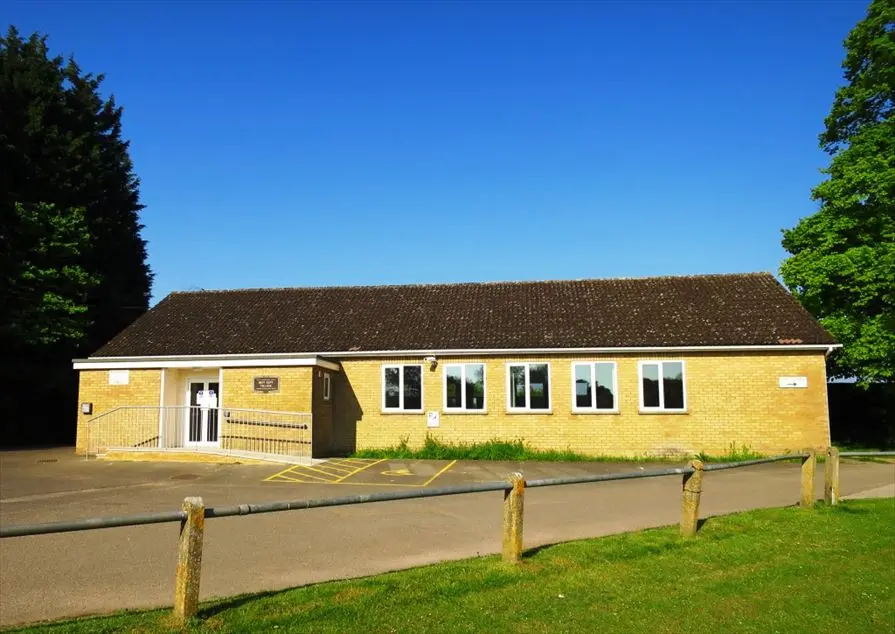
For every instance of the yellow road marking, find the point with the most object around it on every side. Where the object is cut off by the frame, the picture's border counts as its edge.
(397, 472)
(284, 479)
(355, 472)
(332, 470)
(301, 474)
(286, 470)
(332, 475)
(347, 463)
(379, 484)
(427, 482)
(337, 475)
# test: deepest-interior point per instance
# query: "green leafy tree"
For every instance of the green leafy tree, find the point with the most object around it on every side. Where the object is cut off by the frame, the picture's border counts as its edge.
(48, 286)
(74, 269)
(842, 266)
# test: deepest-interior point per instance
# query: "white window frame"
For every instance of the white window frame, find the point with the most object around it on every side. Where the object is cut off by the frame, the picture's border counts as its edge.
(527, 409)
(593, 408)
(661, 407)
(463, 409)
(400, 409)
(328, 386)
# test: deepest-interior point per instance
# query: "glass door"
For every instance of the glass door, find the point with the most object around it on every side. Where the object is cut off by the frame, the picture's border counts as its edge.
(202, 414)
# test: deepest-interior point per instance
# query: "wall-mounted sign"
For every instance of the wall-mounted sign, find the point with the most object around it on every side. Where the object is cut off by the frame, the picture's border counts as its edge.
(793, 381)
(267, 384)
(432, 419)
(119, 377)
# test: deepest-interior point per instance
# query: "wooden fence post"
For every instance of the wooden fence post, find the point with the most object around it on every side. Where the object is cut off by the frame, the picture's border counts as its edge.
(690, 503)
(513, 504)
(831, 477)
(809, 464)
(189, 560)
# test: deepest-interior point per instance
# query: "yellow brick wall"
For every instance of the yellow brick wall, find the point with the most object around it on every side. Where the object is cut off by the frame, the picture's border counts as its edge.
(731, 398)
(143, 388)
(294, 394)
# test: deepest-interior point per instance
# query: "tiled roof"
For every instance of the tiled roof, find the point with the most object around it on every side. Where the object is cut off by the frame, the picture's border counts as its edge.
(705, 310)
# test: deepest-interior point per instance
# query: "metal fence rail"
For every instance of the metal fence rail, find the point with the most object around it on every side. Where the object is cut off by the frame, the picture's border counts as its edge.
(251, 433)
(191, 517)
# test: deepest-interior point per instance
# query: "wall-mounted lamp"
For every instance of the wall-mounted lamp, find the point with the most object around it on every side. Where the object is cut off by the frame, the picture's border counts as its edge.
(432, 361)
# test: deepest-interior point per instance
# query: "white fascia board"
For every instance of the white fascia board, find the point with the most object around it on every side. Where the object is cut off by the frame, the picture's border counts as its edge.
(215, 361)
(466, 352)
(304, 359)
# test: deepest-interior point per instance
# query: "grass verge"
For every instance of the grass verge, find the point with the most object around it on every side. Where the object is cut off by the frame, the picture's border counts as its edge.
(774, 570)
(519, 450)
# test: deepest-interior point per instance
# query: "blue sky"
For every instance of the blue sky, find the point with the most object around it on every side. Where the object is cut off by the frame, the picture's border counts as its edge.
(306, 144)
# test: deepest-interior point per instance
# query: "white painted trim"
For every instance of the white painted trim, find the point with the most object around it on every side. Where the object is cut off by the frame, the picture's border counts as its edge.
(661, 409)
(463, 409)
(161, 411)
(220, 397)
(195, 363)
(527, 409)
(593, 409)
(203, 424)
(400, 409)
(296, 358)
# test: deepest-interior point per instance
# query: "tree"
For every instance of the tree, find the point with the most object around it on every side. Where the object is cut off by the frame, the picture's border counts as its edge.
(842, 266)
(65, 168)
(48, 286)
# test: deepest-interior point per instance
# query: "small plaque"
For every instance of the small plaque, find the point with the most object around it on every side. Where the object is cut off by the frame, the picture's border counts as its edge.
(793, 381)
(119, 377)
(432, 419)
(267, 384)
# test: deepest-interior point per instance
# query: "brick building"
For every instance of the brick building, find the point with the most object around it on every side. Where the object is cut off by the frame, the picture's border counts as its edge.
(624, 367)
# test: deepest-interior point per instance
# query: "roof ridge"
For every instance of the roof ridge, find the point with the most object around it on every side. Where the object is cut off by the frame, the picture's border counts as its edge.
(477, 283)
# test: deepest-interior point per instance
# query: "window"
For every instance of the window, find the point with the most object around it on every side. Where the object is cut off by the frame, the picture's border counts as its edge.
(528, 386)
(464, 387)
(327, 386)
(402, 388)
(662, 386)
(595, 387)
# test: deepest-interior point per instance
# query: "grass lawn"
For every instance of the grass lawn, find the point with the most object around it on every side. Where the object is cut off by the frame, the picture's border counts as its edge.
(519, 450)
(777, 570)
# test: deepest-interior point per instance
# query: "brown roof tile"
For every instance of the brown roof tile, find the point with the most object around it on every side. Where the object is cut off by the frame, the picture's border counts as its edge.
(706, 310)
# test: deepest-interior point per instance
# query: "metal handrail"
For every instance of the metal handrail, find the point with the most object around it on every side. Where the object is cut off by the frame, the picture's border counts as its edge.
(272, 507)
(268, 434)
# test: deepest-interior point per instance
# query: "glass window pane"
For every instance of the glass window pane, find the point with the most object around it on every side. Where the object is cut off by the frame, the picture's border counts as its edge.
(452, 386)
(650, 385)
(413, 392)
(517, 385)
(584, 395)
(539, 387)
(392, 397)
(475, 386)
(604, 386)
(673, 384)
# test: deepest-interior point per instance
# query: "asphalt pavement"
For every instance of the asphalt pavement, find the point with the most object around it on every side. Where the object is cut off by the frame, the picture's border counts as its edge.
(64, 575)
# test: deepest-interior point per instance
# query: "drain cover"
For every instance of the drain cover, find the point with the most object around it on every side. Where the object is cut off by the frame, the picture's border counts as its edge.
(46, 460)
(184, 476)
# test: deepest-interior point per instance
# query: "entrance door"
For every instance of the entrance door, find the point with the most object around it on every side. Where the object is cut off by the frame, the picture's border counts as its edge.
(202, 415)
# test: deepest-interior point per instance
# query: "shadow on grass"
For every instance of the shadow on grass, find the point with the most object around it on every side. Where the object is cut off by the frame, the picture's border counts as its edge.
(223, 605)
